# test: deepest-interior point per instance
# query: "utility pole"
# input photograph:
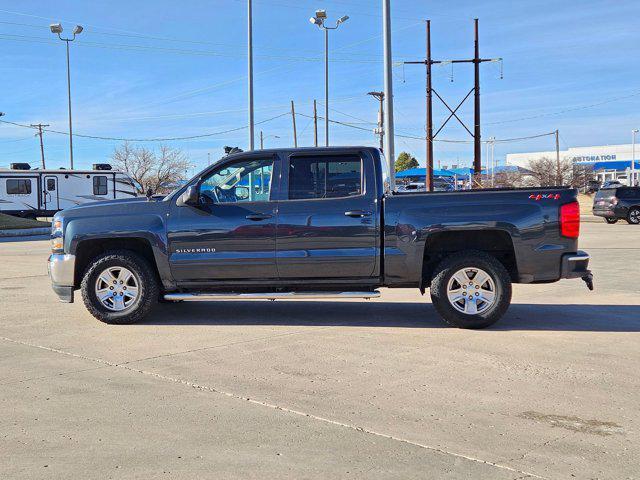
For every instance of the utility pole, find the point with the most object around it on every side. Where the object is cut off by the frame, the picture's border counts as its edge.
(293, 119)
(261, 141)
(492, 142)
(558, 174)
(429, 138)
(315, 124)
(389, 147)
(250, 72)
(428, 185)
(475, 134)
(40, 126)
(380, 130)
(477, 145)
(208, 158)
(632, 180)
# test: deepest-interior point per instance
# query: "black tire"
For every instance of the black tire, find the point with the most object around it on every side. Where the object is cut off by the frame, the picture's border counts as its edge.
(145, 278)
(633, 217)
(471, 259)
(610, 220)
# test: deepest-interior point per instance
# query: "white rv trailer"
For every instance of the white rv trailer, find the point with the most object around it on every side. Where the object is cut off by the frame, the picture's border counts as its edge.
(41, 193)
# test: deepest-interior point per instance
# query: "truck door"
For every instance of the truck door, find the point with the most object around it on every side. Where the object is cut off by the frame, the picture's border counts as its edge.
(327, 221)
(230, 234)
(50, 195)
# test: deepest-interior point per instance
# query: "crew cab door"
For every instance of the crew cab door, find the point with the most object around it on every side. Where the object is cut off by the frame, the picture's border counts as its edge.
(327, 217)
(230, 233)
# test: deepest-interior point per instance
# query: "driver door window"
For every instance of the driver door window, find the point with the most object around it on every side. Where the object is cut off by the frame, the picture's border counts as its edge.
(243, 181)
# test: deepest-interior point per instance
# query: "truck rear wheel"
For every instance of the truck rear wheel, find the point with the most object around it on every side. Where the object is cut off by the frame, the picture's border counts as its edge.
(119, 287)
(471, 289)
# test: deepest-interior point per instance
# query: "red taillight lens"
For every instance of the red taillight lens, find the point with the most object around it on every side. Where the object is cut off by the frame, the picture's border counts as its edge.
(570, 220)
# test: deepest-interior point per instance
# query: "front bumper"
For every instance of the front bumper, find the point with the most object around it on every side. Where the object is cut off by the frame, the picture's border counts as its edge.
(61, 269)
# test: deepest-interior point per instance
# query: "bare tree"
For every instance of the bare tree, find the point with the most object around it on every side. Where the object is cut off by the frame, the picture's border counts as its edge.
(548, 172)
(156, 171)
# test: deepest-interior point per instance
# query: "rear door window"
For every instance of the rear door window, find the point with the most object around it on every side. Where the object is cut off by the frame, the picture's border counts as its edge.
(332, 176)
(99, 185)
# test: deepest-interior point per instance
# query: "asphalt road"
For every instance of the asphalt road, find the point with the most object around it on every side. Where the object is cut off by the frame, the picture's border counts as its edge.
(378, 389)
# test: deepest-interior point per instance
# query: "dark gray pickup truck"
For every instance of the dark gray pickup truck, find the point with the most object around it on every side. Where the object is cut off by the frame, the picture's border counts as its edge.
(314, 223)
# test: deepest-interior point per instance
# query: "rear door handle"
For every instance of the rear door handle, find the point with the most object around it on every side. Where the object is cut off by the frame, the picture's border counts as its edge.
(357, 213)
(258, 216)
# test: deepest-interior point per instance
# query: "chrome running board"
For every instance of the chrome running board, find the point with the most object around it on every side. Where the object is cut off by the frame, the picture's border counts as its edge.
(269, 296)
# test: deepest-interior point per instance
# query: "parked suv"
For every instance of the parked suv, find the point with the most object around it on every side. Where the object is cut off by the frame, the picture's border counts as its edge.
(615, 203)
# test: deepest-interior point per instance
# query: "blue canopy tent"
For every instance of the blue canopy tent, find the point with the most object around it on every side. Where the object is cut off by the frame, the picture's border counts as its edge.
(421, 173)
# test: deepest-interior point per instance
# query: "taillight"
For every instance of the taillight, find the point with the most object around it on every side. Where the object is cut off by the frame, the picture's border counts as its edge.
(570, 220)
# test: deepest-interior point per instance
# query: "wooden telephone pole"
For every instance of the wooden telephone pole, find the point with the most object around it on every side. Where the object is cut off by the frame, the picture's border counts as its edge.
(40, 126)
(315, 124)
(293, 119)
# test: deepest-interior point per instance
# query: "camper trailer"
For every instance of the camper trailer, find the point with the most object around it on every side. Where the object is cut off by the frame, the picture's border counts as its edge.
(41, 193)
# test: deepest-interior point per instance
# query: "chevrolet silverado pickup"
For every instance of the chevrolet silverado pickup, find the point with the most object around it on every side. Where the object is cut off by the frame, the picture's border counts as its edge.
(314, 223)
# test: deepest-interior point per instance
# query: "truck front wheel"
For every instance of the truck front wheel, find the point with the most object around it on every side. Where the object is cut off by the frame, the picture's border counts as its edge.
(471, 289)
(119, 287)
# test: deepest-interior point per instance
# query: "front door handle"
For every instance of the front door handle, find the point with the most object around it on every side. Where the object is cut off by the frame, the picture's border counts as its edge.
(256, 217)
(357, 213)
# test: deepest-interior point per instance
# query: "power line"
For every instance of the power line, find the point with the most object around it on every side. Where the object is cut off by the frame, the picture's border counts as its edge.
(335, 51)
(164, 139)
(415, 137)
(560, 112)
(181, 51)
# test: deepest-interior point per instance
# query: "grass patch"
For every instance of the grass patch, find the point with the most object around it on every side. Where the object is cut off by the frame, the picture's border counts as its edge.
(8, 222)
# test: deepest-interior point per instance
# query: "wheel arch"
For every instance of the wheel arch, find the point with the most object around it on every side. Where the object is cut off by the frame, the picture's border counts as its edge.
(90, 248)
(495, 242)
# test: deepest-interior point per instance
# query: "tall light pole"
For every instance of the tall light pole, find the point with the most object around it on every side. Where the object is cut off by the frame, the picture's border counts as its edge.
(632, 180)
(389, 147)
(263, 137)
(319, 20)
(57, 29)
(250, 72)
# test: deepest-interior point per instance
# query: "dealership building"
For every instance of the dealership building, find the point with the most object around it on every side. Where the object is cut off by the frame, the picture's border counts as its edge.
(609, 162)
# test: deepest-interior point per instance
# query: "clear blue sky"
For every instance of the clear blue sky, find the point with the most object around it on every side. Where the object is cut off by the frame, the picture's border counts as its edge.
(167, 68)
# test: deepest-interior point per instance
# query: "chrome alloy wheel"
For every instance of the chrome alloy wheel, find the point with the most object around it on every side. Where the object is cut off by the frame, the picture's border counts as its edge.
(471, 291)
(117, 288)
(634, 216)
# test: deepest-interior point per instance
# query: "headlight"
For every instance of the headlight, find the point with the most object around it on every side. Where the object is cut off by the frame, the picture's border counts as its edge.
(57, 240)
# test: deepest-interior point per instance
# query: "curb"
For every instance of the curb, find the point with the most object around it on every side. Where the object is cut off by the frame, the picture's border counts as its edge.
(25, 232)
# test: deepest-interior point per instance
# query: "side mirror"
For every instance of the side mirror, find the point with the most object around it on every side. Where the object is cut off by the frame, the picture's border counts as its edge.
(188, 197)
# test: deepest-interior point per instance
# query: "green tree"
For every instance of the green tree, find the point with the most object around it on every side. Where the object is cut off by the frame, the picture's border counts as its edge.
(405, 161)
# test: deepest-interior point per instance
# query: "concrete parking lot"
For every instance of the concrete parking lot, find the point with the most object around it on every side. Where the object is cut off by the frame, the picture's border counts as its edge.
(378, 389)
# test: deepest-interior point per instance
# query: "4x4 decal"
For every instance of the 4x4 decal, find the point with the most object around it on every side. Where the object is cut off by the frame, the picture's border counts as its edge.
(548, 196)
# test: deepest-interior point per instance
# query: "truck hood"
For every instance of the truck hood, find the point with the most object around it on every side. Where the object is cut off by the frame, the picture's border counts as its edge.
(128, 206)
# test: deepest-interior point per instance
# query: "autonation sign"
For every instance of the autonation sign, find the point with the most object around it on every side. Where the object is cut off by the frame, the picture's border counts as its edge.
(594, 158)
